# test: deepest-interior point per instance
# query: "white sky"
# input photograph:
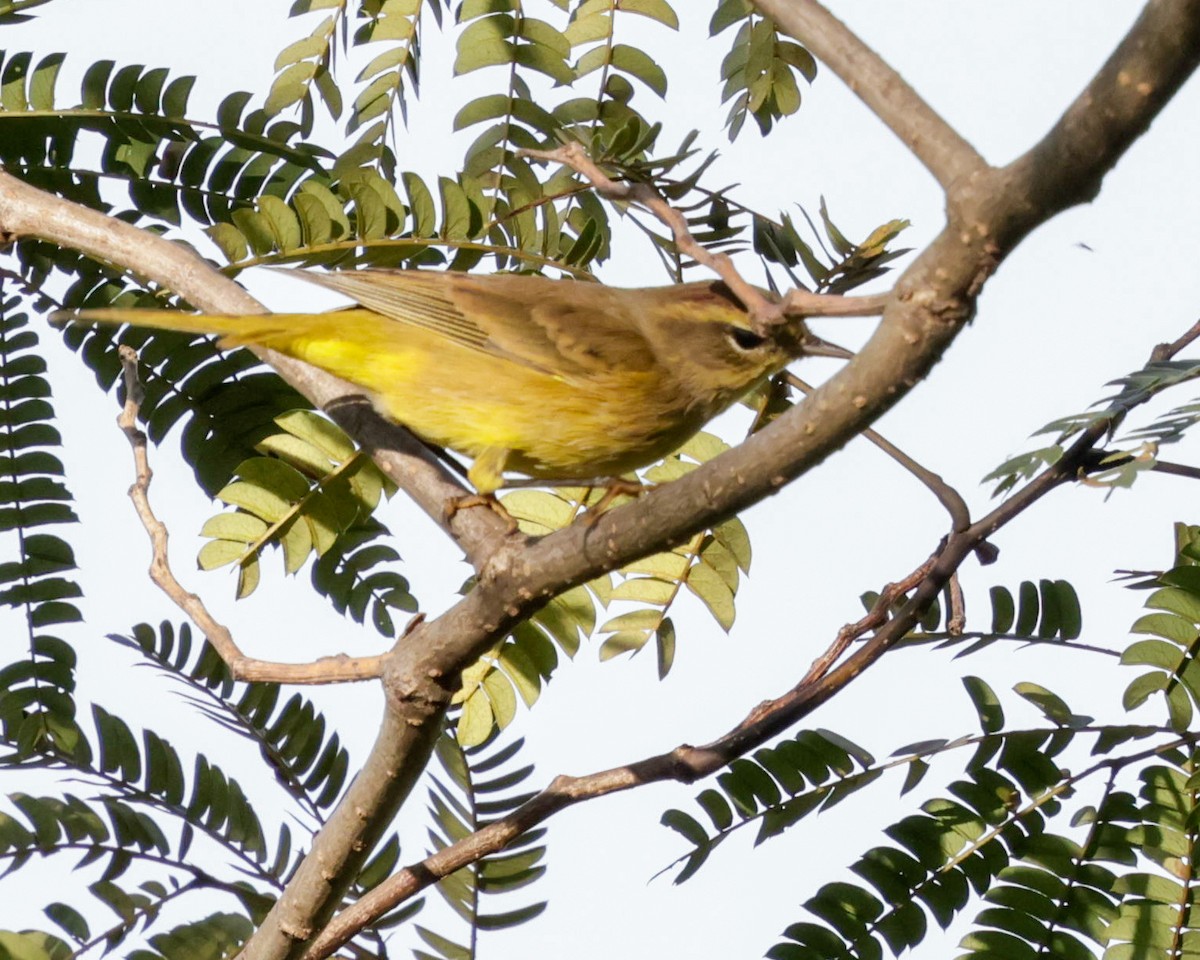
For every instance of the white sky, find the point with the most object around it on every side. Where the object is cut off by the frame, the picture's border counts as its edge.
(1054, 325)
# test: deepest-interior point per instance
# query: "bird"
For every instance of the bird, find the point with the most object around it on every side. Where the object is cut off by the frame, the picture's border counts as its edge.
(558, 380)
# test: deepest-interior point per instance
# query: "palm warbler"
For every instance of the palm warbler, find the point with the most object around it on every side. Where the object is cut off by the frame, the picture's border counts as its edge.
(555, 379)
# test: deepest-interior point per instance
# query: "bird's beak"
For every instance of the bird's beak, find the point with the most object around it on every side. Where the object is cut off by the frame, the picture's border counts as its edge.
(814, 346)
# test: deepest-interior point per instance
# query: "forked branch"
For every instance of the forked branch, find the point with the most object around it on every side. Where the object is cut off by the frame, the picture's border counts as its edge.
(333, 669)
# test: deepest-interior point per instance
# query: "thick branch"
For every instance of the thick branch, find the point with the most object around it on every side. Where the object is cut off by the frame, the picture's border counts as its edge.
(1141, 75)
(686, 763)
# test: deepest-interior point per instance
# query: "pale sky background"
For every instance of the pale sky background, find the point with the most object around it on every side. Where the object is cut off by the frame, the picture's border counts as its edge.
(1054, 325)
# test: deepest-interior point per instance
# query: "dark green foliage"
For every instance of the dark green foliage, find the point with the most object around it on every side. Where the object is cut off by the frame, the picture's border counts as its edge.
(999, 833)
(478, 788)
(37, 704)
(353, 577)
(150, 806)
(780, 786)
(1046, 612)
(839, 265)
(174, 167)
(761, 69)
(223, 404)
(11, 11)
(291, 736)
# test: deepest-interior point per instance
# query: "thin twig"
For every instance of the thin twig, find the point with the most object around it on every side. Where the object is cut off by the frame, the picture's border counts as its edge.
(1165, 351)
(1176, 469)
(876, 617)
(241, 667)
(804, 303)
(764, 311)
(947, 496)
(945, 640)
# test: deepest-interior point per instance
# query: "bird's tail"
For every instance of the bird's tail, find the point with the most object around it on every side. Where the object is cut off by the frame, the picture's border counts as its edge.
(276, 330)
(162, 319)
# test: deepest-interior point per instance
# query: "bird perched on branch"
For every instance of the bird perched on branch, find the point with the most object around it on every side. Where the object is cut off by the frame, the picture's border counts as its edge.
(559, 380)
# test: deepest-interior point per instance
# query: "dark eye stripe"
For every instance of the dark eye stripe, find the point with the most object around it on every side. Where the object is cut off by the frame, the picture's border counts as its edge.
(745, 339)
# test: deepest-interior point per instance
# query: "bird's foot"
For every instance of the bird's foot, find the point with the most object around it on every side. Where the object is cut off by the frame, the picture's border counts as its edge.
(614, 489)
(488, 500)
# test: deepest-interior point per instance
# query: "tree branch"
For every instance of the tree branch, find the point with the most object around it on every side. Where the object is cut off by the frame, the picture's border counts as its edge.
(797, 303)
(1177, 469)
(27, 211)
(1149, 65)
(1165, 351)
(241, 667)
(989, 212)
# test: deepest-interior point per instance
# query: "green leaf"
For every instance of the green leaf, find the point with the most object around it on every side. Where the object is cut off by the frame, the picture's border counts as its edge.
(987, 704)
(231, 241)
(1027, 614)
(475, 722)
(688, 827)
(708, 585)
(658, 10)
(1052, 706)
(1139, 691)
(664, 641)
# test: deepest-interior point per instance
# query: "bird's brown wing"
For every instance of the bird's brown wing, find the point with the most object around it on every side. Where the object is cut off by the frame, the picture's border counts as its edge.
(408, 296)
(540, 323)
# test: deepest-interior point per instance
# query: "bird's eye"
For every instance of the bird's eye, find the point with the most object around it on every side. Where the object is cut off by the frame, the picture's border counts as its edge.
(745, 339)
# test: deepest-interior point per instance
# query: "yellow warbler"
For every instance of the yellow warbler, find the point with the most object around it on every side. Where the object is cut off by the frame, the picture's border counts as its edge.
(556, 379)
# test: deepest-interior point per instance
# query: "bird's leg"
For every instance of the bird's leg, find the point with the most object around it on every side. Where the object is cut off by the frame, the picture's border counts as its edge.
(614, 487)
(487, 472)
(486, 475)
